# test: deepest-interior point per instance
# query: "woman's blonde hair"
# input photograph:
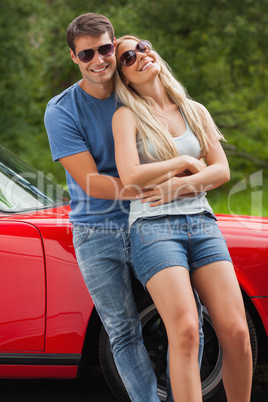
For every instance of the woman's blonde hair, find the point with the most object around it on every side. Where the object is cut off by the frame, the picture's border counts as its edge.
(149, 124)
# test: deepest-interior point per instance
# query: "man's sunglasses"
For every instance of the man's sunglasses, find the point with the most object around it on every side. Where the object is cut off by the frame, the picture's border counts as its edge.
(129, 57)
(87, 55)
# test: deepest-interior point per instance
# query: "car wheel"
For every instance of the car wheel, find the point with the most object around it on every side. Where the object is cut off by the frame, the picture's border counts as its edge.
(211, 369)
(109, 369)
(155, 341)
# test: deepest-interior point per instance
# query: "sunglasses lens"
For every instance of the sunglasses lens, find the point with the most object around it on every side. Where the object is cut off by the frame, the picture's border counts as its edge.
(128, 58)
(86, 55)
(143, 46)
(106, 50)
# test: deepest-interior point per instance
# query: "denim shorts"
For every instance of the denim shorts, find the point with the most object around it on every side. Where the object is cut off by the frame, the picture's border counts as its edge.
(190, 241)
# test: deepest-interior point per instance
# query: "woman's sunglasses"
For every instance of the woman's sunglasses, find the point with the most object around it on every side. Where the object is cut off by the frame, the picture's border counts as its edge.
(87, 55)
(129, 57)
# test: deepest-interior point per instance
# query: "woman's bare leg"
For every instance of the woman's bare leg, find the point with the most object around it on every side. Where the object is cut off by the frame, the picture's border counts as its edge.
(172, 294)
(219, 290)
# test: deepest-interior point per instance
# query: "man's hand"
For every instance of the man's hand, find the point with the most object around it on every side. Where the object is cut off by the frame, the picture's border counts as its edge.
(165, 192)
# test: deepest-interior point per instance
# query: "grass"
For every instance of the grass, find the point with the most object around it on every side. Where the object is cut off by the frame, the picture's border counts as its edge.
(244, 202)
(245, 194)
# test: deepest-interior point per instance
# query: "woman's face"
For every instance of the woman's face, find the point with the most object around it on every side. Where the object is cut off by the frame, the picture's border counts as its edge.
(143, 70)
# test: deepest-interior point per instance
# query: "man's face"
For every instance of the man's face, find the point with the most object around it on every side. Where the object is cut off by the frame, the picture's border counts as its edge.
(99, 70)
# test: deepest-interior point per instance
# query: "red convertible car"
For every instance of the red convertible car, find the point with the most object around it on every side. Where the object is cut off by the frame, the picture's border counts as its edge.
(48, 325)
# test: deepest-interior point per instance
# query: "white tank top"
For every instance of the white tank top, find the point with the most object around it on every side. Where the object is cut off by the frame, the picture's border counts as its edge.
(187, 144)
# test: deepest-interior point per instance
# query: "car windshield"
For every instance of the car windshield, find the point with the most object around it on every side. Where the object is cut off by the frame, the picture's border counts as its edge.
(24, 188)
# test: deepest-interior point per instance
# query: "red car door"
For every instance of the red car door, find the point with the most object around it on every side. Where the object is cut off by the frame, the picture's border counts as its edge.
(22, 288)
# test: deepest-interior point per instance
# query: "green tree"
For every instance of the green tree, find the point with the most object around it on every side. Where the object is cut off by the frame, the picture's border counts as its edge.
(217, 49)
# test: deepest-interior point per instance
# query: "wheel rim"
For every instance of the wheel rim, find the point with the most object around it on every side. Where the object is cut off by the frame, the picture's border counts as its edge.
(155, 341)
(211, 368)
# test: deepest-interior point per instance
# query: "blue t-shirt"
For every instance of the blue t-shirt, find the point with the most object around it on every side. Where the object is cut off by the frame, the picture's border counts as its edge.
(77, 122)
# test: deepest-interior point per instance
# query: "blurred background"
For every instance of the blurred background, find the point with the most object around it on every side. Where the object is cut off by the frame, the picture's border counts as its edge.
(216, 48)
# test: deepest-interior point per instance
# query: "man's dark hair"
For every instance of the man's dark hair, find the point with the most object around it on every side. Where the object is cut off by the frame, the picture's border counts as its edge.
(88, 24)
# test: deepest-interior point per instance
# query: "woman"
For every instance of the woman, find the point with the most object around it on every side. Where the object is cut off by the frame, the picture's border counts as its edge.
(161, 134)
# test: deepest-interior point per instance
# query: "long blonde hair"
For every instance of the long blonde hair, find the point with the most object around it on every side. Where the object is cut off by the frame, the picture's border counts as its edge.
(149, 124)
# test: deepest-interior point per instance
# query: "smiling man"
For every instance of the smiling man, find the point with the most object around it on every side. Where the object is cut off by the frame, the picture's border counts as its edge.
(95, 58)
(78, 123)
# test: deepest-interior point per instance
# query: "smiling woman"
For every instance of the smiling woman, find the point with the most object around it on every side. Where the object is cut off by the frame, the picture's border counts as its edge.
(160, 134)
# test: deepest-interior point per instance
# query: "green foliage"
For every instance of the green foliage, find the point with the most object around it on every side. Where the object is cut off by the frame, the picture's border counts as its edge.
(217, 49)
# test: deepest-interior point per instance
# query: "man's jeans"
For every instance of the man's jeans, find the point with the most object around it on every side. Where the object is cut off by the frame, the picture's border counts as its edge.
(104, 258)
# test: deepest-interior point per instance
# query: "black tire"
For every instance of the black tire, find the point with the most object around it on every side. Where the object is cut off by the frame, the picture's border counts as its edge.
(109, 369)
(155, 341)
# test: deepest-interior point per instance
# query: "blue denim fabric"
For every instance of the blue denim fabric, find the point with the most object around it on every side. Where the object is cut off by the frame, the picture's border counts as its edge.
(104, 260)
(190, 241)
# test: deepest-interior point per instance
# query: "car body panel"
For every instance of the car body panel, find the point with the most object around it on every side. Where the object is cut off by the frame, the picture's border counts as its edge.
(23, 371)
(247, 241)
(68, 303)
(68, 306)
(47, 317)
(22, 288)
(261, 304)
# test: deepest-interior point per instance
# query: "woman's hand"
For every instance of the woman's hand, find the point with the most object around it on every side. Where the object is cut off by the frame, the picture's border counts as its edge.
(195, 165)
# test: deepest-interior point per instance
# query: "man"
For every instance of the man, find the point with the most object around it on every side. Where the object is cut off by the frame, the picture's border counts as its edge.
(78, 123)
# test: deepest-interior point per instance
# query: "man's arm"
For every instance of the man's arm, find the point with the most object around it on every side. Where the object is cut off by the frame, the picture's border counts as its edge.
(214, 175)
(83, 169)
